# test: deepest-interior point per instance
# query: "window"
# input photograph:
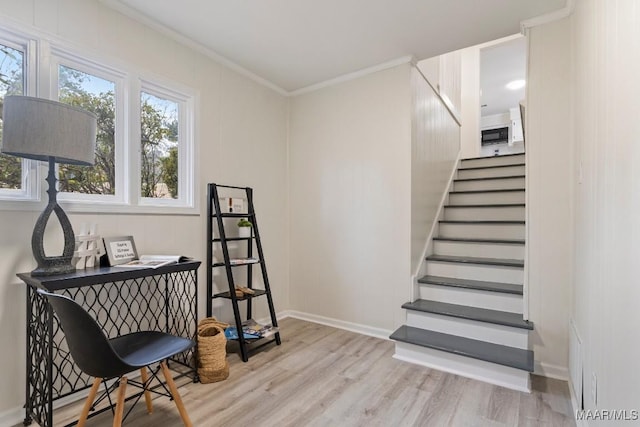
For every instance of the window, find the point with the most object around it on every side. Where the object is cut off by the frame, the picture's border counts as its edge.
(144, 145)
(97, 95)
(159, 136)
(11, 83)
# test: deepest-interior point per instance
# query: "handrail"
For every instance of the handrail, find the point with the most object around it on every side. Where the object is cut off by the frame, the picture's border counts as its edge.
(444, 101)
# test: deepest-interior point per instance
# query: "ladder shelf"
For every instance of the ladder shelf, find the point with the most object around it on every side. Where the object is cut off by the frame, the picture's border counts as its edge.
(215, 218)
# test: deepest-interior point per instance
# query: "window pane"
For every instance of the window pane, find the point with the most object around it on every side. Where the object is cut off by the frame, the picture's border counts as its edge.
(11, 83)
(159, 147)
(98, 96)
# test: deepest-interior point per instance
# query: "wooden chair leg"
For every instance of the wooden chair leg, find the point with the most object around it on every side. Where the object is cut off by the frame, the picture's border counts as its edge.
(117, 418)
(147, 393)
(87, 403)
(176, 396)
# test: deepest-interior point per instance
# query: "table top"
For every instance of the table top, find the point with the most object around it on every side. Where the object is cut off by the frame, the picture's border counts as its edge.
(97, 275)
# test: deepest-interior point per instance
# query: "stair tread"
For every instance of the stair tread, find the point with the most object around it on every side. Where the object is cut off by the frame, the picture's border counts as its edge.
(492, 157)
(472, 221)
(494, 205)
(504, 190)
(476, 260)
(491, 167)
(506, 288)
(481, 350)
(489, 178)
(496, 241)
(472, 313)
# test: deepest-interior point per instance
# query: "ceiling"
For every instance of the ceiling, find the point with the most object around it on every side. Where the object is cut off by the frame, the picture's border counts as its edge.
(294, 44)
(499, 65)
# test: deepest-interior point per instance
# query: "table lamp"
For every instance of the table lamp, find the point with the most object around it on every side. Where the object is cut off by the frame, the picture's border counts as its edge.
(40, 129)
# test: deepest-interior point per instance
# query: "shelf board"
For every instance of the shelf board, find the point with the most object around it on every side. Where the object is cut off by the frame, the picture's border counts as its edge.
(222, 264)
(227, 295)
(233, 215)
(233, 239)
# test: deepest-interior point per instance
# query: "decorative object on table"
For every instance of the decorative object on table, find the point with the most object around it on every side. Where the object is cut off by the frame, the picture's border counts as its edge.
(120, 250)
(244, 228)
(39, 129)
(87, 250)
(232, 205)
(212, 351)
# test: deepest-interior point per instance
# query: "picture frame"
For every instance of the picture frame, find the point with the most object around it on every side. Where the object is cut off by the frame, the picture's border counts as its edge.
(120, 249)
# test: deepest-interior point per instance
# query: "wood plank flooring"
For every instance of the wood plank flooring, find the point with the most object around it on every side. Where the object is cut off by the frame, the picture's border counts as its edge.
(321, 376)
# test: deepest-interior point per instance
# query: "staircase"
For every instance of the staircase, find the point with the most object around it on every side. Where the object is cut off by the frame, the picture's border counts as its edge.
(468, 318)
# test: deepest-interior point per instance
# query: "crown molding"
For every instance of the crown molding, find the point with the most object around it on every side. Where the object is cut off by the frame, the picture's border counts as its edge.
(566, 11)
(141, 18)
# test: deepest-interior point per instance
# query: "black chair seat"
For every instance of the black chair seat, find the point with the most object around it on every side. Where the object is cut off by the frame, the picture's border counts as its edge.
(140, 349)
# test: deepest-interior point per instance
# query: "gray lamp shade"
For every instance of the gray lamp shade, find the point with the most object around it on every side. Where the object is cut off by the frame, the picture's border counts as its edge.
(39, 129)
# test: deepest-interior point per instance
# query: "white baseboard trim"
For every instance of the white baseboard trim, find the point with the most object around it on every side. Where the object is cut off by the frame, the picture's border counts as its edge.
(340, 324)
(12, 417)
(575, 405)
(551, 371)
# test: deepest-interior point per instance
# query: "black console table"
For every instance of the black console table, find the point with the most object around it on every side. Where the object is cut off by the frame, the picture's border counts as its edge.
(122, 300)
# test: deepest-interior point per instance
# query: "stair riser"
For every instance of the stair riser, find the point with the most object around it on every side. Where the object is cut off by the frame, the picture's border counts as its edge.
(482, 231)
(480, 250)
(485, 173)
(490, 184)
(480, 370)
(472, 297)
(489, 332)
(511, 213)
(487, 273)
(492, 161)
(487, 198)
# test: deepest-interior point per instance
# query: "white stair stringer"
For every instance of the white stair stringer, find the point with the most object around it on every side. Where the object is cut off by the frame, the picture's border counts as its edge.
(480, 370)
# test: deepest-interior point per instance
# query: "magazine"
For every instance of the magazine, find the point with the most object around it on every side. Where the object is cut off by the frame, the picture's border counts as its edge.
(251, 330)
(240, 261)
(154, 261)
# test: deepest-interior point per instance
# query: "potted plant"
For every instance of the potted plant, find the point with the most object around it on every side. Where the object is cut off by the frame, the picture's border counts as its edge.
(244, 228)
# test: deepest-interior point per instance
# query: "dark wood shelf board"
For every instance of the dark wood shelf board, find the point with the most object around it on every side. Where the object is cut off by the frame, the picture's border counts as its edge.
(489, 352)
(234, 239)
(233, 215)
(504, 318)
(227, 295)
(474, 260)
(505, 288)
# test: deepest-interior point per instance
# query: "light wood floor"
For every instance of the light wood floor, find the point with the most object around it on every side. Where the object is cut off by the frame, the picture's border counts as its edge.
(321, 376)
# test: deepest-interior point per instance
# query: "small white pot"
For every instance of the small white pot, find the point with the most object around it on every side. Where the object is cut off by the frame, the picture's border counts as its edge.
(244, 231)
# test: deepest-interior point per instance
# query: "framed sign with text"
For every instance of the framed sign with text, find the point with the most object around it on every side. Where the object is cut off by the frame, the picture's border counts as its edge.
(120, 249)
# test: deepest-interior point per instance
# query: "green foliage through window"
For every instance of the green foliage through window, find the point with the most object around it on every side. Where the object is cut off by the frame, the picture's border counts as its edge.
(11, 83)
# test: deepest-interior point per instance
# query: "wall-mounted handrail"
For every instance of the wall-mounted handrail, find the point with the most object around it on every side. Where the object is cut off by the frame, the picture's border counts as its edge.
(442, 99)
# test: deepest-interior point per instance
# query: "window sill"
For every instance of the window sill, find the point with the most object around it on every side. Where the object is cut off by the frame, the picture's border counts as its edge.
(98, 208)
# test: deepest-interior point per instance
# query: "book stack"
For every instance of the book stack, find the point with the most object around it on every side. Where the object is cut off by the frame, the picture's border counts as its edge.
(251, 330)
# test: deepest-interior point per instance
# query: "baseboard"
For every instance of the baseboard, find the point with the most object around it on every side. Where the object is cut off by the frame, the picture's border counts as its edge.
(576, 407)
(551, 371)
(12, 417)
(340, 324)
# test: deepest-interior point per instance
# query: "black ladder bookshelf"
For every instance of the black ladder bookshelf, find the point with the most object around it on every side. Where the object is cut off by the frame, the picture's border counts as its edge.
(214, 213)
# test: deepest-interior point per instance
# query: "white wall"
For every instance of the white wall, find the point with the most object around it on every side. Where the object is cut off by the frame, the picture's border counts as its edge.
(435, 144)
(549, 189)
(470, 102)
(606, 90)
(350, 180)
(242, 140)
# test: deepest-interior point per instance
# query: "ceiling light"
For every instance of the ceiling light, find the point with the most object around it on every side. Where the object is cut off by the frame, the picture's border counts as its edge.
(516, 84)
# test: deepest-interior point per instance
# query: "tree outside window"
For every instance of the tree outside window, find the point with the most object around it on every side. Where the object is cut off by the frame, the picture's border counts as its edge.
(11, 83)
(97, 95)
(158, 147)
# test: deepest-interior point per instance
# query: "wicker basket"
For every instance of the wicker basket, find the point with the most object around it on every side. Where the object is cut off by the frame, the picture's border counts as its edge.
(212, 351)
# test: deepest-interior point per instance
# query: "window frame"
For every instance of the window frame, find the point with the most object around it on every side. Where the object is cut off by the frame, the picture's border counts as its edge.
(44, 53)
(30, 185)
(186, 169)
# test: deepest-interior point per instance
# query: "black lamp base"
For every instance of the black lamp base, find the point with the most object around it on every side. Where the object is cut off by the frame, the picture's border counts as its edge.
(52, 265)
